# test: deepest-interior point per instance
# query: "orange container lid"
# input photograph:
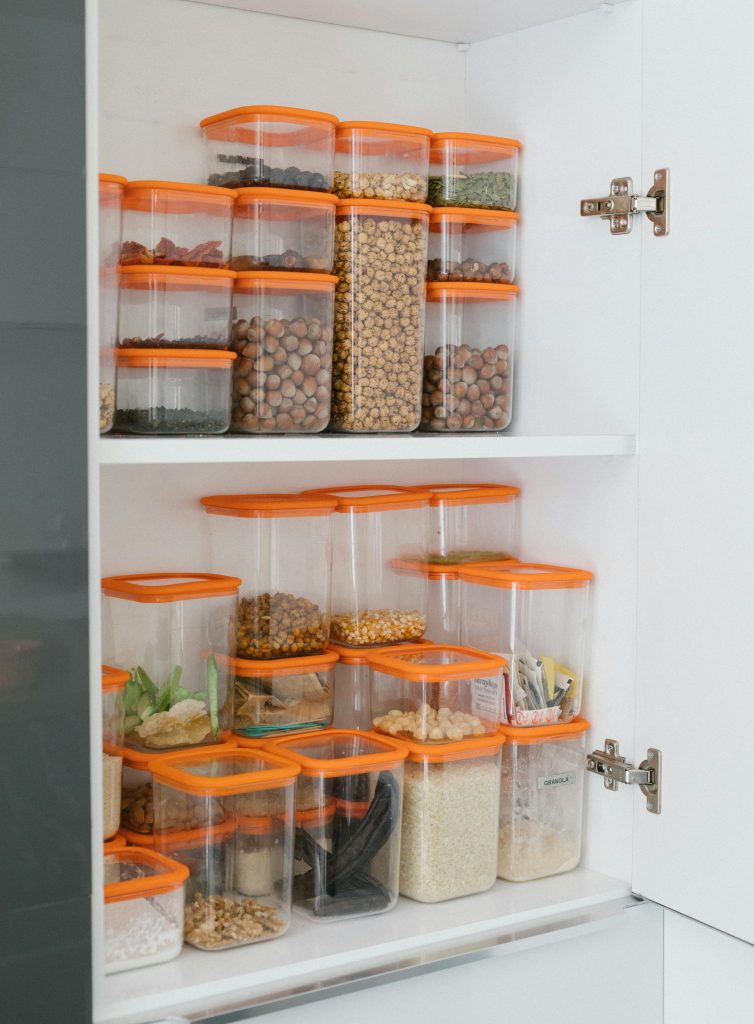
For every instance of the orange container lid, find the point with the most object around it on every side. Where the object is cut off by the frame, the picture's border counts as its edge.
(178, 279)
(422, 664)
(463, 750)
(177, 586)
(118, 842)
(294, 115)
(233, 771)
(442, 570)
(177, 358)
(472, 291)
(257, 825)
(391, 208)
(352, 808)
(527, 576)
(290, 282)
(473, 142)
(141, 760)
(470, 494)
(313, 817)
(131, 838)
(177, 197)
(498, 219)
(269, 506)
(360, 655)
(374, 497)
(114, 679)
(377, 138)
(112, 179)
(383, 126)
(246, 667)
(195, 838)
(287, 196)
(314, 752)
(533, 733)
(161, 875)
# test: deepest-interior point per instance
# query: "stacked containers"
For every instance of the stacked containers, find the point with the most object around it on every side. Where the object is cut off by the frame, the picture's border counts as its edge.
(443, 597)
(473, 171)
(113, 690)
(283, 229)
(472, 245)
(287, 695)
(352, 706)
(374, 160)
(111, 187)
(472, 523)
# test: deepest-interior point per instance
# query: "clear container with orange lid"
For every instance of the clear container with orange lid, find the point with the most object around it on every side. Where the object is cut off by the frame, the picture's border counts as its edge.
(472, 245)
(317, 823)
(281, 545)
(541, 800)
(111, 188)
(279, 147)
(176, 633)
(472, 523)
(173, 391)
(144, 907)
(468, 357)
(537, 617)
(283, 229)
(282, 333)
(282, 696)
(113, 713)
(176, 224)
(352, 707)
(473, 171)
(353, 856)
(224, 858)
(376, 160)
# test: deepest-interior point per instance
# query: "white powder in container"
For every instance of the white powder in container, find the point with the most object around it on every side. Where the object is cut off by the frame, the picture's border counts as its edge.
(111, 775)
(143, 931)
(254, 871)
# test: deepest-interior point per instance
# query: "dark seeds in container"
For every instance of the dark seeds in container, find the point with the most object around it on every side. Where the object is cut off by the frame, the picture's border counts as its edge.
(253, 172)
(169, 421)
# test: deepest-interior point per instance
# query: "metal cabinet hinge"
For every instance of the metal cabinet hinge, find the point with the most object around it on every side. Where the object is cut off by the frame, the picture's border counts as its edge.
(615, 769)
(622, 204)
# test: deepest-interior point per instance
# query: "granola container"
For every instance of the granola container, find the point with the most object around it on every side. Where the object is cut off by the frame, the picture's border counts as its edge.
(472, 245)
(472, 523)
(352, 705)
(111, 188)
(283, 229)
(375, 160)
(283, 696)
(113, 693)
(473, 171)
(175, 307)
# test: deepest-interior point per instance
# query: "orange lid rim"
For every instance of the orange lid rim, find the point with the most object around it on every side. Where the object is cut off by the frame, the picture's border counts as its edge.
(170, 876)
(393, 663)
(488, 140)
(360, 655)
(452, 494)
(272, 279)
(383, 126)
(301, 113)
(112, 179)
(140, 760)
(359, 764)
(523, 734)
(216, 275)
(281, 773)
(191, 838)
(114, 679)
(260, 506)
(249, 668)
(459, 214)
(197, 358)
(436, 290)
(383, 208)
(199, 584)
(547, 577)
(392, 498)
(228, 194)
(286, 196)
(461, 750)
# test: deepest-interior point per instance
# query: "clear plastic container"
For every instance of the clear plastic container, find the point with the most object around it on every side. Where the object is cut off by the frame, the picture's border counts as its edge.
(468, 357)
(220, 910)
(175, 307)
(175, 224)
(374, 160)
(436, 693)
(352, 707)
(282, 147)
(472, 245)
(283, 229)
(472, 523)
(380, 260)
(541, 800)
(281, 545)
(451, 801)
(289, 695)
(537, 617)
(317, 822)
(111, 187)
(175, 632)
(353, 867)
(173, 391)
(473, 171)
(282, 333)
(144, 904)
(113, 704)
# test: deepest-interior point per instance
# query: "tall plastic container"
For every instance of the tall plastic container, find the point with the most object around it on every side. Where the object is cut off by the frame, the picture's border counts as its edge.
(353, 707)
(472, 523)
(283, 229)
(375, 160)
(473, 171)
(111, 189)
(472, 245)
(283, 696)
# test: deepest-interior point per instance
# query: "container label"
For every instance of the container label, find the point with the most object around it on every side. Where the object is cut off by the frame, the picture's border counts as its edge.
(550, 781)
(485, 699)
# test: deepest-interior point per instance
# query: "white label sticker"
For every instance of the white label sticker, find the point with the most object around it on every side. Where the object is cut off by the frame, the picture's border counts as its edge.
(550, 781)
(485, 699)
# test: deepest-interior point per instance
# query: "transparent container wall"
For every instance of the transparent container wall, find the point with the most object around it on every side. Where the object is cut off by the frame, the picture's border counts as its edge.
(473, 533)
(541, 799)
(137, 801)
(462, 248)
(176, 227)
(110, 203)
(112, 765)
(277, 234)
(317, 824)
(268, 704)
(113, 705)
(173, 399)
(379, 322)
(468, 364)
(352, 704)
(282, 377)
(443, 609)
(174, 311)
(473, 174)
(375, 164)
(142, 930)
(450, 828)
(177, 652)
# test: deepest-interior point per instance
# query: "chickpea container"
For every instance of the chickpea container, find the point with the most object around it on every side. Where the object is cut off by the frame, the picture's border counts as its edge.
(175, 632)
(282, 333)
(537, 617)
(268, 146)
(541, 800)
(281, 544)
(352, 707)
(113, 703)
(282, 696)
(472, 245)
(473, 171)
(380, 261)
(239, 887)
(176, 224)
(375, 160)
(352, 858)
(111, 188)
(472, 523)
(283, 229)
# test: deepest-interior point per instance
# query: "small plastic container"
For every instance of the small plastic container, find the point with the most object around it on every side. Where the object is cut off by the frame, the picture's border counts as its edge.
(144, 905)
(472, 245)
(111, 188)
(353, 857)
(221, 911)
(317, 822)
(176, 224)
(283, 229)
(352, 706)
(468, 357)
(113, 704)
(281, 545)
(175, 308)
(278, 147)
(375, 160)
(537, 617)
(175, 631)
(289, 695)
(472, 523)
(477, 172)
(451, 802)
(173, 391)
(282, 332)
(541, 800)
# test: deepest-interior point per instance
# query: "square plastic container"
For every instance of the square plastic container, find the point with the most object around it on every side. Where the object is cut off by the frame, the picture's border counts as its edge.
(443, 598)
(451, 801)
(473, 171)
(537, 617)
(283, 229)
(380, 260)
(541, 800)
(289, 695)
(223, 859)
(144, 904)
(175, 632)
(281, 545)
(111, 188)
(468, 357)
(472, 245)
(374, 160)
(472, 523)
(352, 707)
(173, 391)
(353, 857)
(281, 147)
(282, 333)
(113, 703)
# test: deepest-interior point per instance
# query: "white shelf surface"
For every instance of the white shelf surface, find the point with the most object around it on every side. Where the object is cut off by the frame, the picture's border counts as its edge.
(313, 956)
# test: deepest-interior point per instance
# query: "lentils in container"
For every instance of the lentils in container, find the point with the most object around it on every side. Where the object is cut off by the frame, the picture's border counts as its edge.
(111, 188)
(282, 333)
(472, 523)
(283, 229)
(472, 245)
(289, 695)
(375, 160)
(113, 704)
(175, 307)
(473, 171)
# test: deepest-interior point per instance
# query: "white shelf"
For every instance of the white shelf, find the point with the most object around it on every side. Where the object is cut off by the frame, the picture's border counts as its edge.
(313, 956)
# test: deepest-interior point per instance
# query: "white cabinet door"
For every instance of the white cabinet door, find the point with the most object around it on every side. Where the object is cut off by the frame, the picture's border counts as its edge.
(696, 480)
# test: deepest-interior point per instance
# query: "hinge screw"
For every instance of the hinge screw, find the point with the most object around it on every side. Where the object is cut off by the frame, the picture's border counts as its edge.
(609, 204)
(589, 207)
(650, 805)
(657, 175)
(658, 229)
